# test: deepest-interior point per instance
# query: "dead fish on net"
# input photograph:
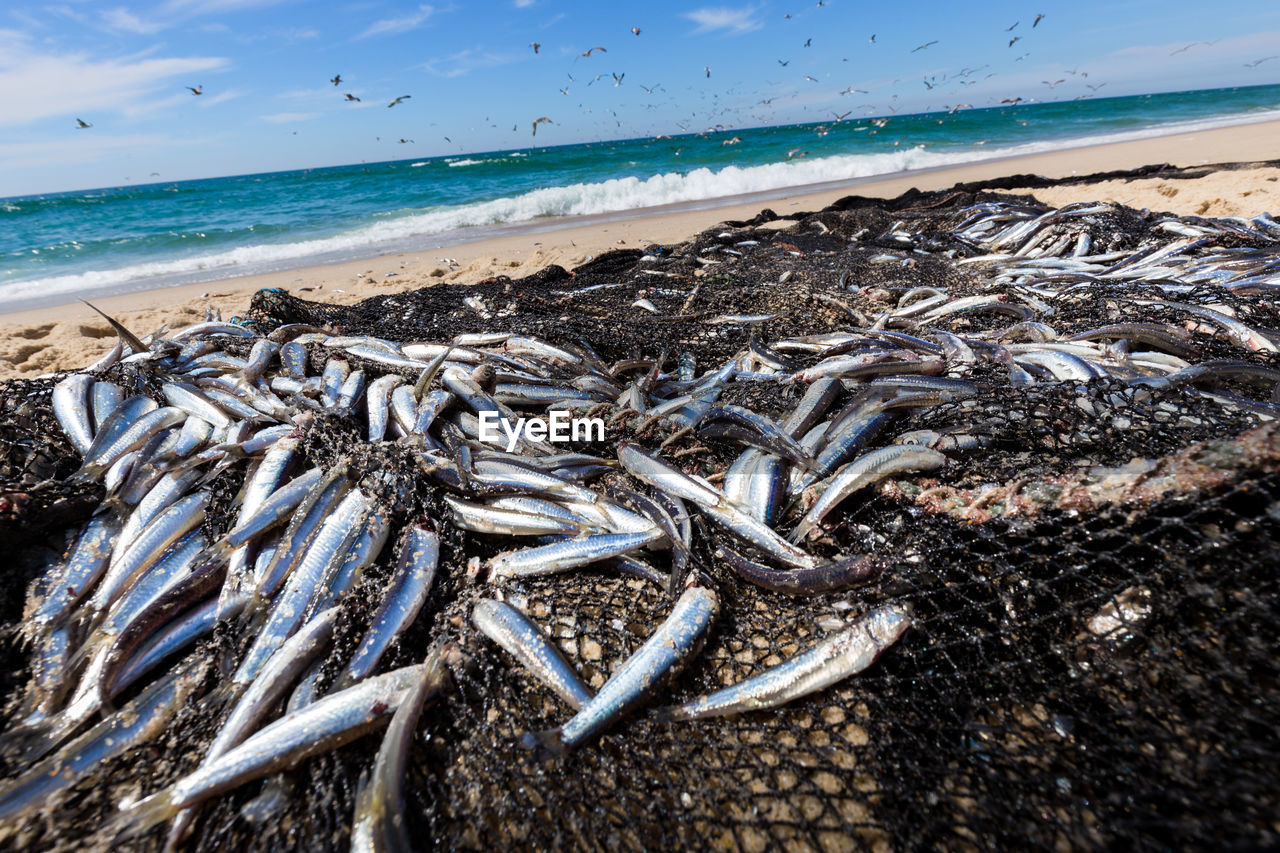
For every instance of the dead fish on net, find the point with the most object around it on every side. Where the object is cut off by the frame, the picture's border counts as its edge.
(137, 584)
(320, 727)
(675, 640)
(839, 656)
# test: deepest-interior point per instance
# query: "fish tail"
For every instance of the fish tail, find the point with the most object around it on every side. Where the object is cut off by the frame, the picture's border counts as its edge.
(144, 814)
(546, 745)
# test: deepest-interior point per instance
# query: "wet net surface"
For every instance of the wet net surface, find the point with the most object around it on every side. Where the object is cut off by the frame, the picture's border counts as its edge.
(1092, 657)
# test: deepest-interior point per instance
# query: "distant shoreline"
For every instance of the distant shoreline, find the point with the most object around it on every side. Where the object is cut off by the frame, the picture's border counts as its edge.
(517, 213)
(64, 334)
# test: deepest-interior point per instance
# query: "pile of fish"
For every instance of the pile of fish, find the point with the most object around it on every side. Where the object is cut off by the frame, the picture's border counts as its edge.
(160, 420)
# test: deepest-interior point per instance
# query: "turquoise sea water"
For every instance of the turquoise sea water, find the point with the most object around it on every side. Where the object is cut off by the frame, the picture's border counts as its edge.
(120, 239)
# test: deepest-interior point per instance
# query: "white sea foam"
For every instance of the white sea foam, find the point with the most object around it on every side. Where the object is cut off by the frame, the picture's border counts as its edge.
(623, 194)
(466, 161)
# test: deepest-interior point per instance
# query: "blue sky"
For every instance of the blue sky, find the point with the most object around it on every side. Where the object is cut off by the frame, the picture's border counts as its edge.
(476, 84)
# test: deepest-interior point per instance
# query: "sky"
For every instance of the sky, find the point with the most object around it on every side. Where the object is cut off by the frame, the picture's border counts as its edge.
(474, 81)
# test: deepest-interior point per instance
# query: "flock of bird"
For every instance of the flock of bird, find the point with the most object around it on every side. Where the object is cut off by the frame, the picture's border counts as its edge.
(733, 115)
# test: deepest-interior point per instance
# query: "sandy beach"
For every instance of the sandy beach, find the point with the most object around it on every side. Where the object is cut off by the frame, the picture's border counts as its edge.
(67, 336)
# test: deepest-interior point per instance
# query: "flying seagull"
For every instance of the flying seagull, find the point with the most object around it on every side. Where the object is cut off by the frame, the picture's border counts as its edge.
(398, 100)
(617, 78)
(635, 30)
(197, 90)
(81, 124)
(351, 97)
(535, 45)
(784, 64)
(1010, 29)
(337, 78)
(925, 45)
(588, 53)
(808, 42)
(1039, 18)
(539, 121)
(1014, 40)
(707, 68)
(1257, 62)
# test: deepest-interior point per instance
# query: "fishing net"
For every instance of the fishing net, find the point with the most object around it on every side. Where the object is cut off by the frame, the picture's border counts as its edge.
(1092, 657)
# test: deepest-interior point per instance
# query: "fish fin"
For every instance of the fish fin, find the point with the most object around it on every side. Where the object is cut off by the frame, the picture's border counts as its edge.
(546, 745)
(28, 744)
(666, 714)
(126, 337)
(143, 815)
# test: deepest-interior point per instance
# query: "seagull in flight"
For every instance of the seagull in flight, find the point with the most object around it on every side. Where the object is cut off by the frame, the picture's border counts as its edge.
(81, 124)
(811, 79)
(853, 91)
(1257, 62)
(351, 97)
(925, 45)
(784, 64)
(337, 78)
(1014, 40)
(588, 53)
(539, 121)
(617, 79)
(707, 68)
(398, 100)
(872, 40)
(1010, 29)
(808, 42)
(535, 45)
(1095, 88)
(1053, 84)
(197, 90)
(635, 30)
(1039, 18)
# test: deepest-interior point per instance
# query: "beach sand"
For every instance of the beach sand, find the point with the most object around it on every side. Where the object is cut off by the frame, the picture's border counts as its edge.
(68, 336)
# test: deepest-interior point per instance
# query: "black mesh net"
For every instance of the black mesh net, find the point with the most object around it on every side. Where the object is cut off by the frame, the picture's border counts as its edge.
(1092, 657)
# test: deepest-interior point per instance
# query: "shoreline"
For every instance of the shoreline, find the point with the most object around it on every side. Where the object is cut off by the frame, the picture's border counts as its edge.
(66, 334)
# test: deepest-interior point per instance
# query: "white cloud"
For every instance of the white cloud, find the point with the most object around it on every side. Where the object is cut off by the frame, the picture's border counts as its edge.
(284, 118)
(36, 85)
(732, 21)
(122, 20)
(524, 4)
(466, 61)
(220, 98)
(401, 24)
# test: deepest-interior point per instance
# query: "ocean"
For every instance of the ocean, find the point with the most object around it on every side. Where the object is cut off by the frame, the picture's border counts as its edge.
(132, 238)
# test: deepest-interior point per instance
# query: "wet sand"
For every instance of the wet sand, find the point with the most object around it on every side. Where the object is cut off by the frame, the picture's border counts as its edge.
(68, 336)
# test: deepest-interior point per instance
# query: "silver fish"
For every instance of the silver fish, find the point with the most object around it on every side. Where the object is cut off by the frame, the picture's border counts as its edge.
(516, 633)
(672, 644)
(835, 658)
